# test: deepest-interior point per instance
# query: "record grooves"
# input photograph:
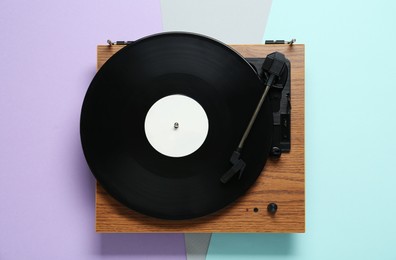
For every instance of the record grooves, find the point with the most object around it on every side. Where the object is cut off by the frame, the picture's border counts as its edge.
(126, 87)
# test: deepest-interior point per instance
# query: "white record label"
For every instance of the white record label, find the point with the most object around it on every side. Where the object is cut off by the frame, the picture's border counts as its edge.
(176, 125)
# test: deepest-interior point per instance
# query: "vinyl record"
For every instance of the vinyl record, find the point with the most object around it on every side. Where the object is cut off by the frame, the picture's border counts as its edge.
(161, 119)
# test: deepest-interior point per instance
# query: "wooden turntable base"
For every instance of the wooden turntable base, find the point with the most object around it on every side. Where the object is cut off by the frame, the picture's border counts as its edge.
(282, 181)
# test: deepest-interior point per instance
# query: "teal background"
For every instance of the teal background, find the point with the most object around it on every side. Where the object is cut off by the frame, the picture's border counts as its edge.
(350, 134)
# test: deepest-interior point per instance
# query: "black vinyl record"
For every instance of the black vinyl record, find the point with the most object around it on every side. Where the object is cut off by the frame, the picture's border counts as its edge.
(126, 87)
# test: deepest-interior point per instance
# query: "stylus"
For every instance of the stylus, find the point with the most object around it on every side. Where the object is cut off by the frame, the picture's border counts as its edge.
(274, 66)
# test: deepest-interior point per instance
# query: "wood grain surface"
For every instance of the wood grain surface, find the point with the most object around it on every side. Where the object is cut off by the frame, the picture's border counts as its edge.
(282, 181)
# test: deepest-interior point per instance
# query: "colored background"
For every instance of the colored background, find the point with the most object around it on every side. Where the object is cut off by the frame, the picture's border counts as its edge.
(47, 59)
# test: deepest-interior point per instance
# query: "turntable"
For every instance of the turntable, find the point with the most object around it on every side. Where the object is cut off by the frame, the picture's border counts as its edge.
(186, 134)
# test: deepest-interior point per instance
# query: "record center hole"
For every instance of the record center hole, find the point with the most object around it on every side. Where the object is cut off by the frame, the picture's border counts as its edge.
(256, 210)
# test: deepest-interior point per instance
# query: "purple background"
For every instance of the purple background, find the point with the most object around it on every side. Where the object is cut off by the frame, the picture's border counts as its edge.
(47, 59)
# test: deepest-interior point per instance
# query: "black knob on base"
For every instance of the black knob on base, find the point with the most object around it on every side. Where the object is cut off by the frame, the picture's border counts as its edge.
(272, 208)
